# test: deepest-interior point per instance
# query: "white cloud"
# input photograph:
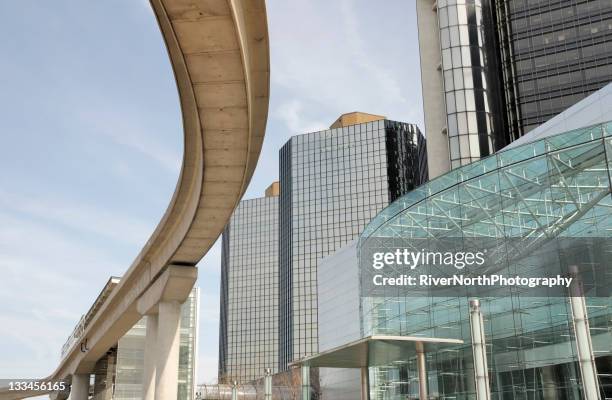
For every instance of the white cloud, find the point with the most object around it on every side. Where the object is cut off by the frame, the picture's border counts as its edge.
(292, 114)
(132, 133)
(84, 218)
(385, 80)
(327, 56)
(44, 271)
(39, 338)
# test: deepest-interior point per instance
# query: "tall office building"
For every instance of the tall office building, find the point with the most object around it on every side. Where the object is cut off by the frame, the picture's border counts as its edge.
(248, 333)
(492, 70)
(332, 183)
(120, 373)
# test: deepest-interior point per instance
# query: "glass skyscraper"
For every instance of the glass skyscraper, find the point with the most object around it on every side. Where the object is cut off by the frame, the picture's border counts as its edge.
(129, 367)
(492, 70)
(332, 183)
(554, 54)
(248, 333)
(471, 103)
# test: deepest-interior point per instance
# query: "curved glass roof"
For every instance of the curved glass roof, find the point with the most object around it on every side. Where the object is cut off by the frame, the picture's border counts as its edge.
(558, 185)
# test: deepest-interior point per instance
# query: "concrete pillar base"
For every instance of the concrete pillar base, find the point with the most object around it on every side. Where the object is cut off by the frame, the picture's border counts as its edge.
(150, 360)
(305, 382)
(79, 389)
(168, 335)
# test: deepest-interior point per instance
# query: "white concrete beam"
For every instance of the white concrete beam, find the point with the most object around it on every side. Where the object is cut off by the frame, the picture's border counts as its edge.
(174, 284)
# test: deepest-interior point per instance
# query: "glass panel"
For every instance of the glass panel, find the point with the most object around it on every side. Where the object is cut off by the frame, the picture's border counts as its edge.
(520, 153)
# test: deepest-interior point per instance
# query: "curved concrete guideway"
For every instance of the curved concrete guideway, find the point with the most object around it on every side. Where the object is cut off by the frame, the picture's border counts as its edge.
(219, 50)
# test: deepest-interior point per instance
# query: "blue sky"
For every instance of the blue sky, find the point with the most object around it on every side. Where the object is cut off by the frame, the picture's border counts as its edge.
(92, 140)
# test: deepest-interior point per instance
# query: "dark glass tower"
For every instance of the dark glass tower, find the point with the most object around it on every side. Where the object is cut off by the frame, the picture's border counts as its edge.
(554, 54)
(492, 70)
(248, 332)
(332, 183)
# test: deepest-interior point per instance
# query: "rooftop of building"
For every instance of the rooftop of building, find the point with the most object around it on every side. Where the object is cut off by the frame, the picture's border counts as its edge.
(355, 118)
(273, 190)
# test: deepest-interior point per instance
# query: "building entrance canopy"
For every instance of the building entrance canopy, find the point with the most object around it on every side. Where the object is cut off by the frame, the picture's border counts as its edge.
(373, 351)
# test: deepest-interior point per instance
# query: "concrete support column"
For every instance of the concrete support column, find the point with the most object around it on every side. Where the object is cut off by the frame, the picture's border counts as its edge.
(584, 346)
(268, 385)
(365, 383)
(479, 350)
(161, 303)
(235, 391)
(305, 382)
(168, 335)
(79, 389)
(150, 358)
(422, 369)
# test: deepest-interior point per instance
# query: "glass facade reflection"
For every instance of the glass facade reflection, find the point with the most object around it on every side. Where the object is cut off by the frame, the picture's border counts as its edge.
(558, 187)
(339, 318)
(554, 53)
(507, 66)
(248, 336)
(469, 79)
(332, 183)
(129, 368)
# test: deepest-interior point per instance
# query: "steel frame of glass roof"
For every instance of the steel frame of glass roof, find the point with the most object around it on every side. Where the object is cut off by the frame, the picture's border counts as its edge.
(537, 190)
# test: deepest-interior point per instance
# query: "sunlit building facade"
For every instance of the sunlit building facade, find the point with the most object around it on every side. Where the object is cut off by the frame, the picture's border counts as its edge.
(492, 70)
(332, 183)
(339, 318)
(248, 332)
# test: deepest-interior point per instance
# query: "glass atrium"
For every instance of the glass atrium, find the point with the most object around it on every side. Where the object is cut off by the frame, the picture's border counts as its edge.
(557, 187)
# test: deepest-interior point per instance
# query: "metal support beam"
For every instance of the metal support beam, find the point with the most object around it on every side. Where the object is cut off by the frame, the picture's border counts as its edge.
(235, 391)
(422, 369)
(479, 350)
(365, 383)
(305, 382)
(268, 385)
(584, 346)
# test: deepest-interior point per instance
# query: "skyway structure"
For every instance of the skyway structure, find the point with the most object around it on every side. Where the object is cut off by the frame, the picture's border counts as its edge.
(219, 51)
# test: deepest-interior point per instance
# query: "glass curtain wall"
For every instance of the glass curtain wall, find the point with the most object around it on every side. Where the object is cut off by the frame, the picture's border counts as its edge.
(558, 186)
(130, 356)
(470, 77)
(248, 342)
(554, 54)
(332, 183)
